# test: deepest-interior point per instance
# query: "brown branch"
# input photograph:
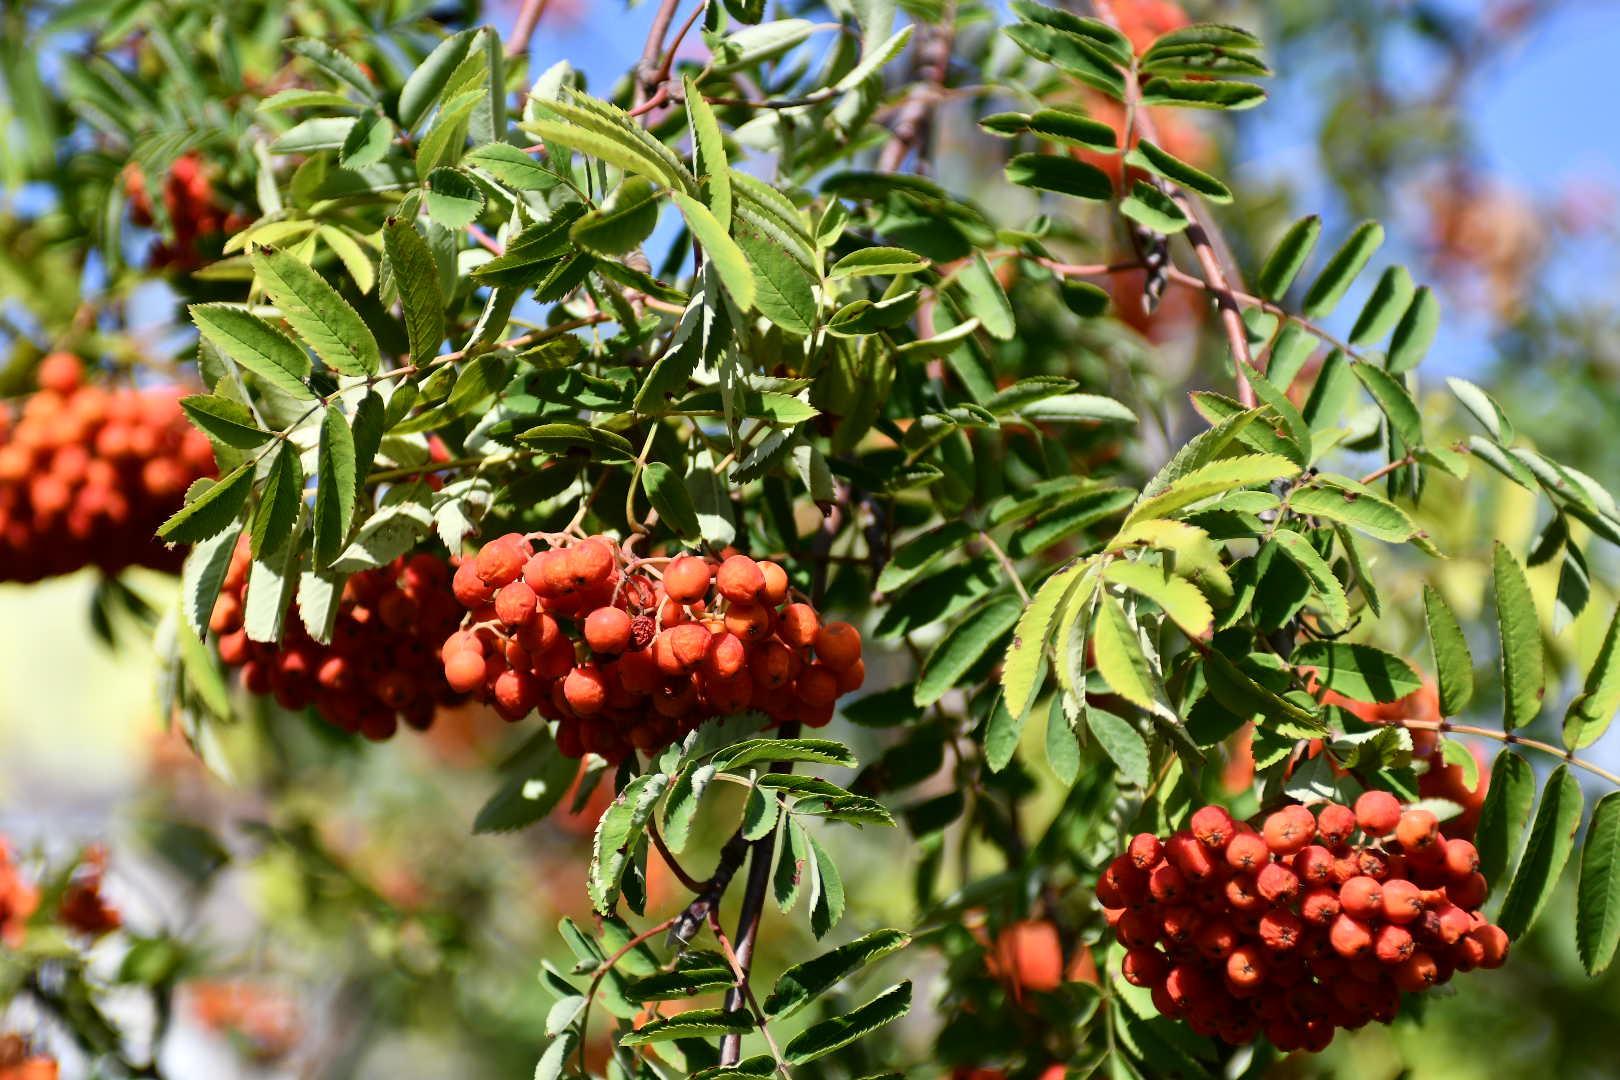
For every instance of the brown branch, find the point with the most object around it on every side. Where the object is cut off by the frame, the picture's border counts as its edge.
(602, 972)
(1384, 470)
(1510, 739)
(753, 907)
(528, 18)
(647, 68)
(670, 861)
(738, 970)
(931, 64)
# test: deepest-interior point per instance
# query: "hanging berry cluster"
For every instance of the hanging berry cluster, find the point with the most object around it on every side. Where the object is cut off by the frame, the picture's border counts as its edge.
(1300, 928)
(193, 210)
(382, 664)
(87, 474)
(630, 653)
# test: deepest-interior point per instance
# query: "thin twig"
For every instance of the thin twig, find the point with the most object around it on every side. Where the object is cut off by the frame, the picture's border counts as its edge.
(1384, 470)
(1006, 564)
(932, 63)
(670, 861)
(602, 973)
(742, 984)
(528, 18)
(1511, 739)
(647, 68)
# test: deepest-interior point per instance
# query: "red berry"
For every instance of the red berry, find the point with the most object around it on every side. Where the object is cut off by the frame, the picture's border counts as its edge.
(1377, 813)
(686, 578)
(1362, 897)
(607, 630)
(1335, 824)
(1289, 829)
(740, 580)
(1277, 883)
(1402, 901)
(1350, 937)
(1247, 851)
(1212, 825)
(1417, 830)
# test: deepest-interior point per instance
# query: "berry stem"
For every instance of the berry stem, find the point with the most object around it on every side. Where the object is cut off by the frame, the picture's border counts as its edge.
(742, 984)
(601, 973)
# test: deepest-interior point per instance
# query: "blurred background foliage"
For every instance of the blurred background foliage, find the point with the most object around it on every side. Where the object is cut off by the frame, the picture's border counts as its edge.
(314, 907)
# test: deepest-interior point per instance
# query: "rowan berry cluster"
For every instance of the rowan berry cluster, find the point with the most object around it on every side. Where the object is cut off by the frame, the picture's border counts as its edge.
(88, 473)
(1312, 923)
(382, 664)
(629, 653)
(193, 211)
(80, 907)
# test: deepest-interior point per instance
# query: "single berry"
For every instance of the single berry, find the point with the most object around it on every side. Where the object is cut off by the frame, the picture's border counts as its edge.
(1335, 824)
(740, 580)
(1145, 850)
(1362, 897)
(1289, 829)
(1402, 901)
(1417, 830)
(838, 645)
(607, 630)
(1392, 944)
(686, 578)
(1212, 825)
(1277, 884)
(1377, 813)
(1247, 851)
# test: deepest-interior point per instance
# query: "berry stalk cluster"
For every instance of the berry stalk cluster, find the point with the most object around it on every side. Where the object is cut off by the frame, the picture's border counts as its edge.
(629, 653)
(1313, 923)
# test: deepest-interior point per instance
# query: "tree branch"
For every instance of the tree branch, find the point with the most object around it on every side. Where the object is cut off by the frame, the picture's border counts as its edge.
(528, 18)
(931, 65)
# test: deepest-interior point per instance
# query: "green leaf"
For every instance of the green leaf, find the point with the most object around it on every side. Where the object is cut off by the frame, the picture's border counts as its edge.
(1021, 669)
(814, 751)
(256, 345)
(1201, 93)
(416, 277)
(1552, 838)
(681, 806)
(1072, 128)
(1210, 34)
(1504, 814)
(1355, 506)
(1215, 478)
(1070, 516)
(617, 834)
(1120, 659)
(334, 63)
(1597, 900)
(874, 59)
(1145, 155)
(963, 645)
(269, 594)
(1359, 672)
(1592, 710)
(1077, 408)
(427, 83)
(1453, 663)
(788, 877)
(622, 222)
(279, 504)
(828, 901)
(1523, 678)
(211, 510)
(1085, 58)
(1394, 401)
(1060, 173)
(681, 983)
(533, 782)
(1062, 748)
(201, 576)
(1330, 285)
(1153, 209)
(784, 290)
(337, 487)
(668, 495)
(1484, 409)
(224, 420)
(759, 814)
(1179, 598)
(454, 199)
(1122, 743)
(720, 249)
(819, 1040)
(803, 983)
(877, 262)
(1390, 299)
(709, 146)
(985, 298)
(916, 556)
(318, 314)
(368, 140)
(691, 1024)
(1002, 732)
(510, 166)
(1415, 333)
(1326, 585)
(560, 438)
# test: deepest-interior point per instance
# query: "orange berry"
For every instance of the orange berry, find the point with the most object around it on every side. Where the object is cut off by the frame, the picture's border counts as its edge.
(1277, 884)
(689, 643)
(1392, 944)
(585, 690)
(1377, 813)
(1417, 973)
(1320, 905)
(1362, 897)
(1143, 967)
(799, 625)
(1145, 850)
(1314, 864)
(838, 645)
(726, 656)
(1350, 937)
(776, 583)
(1417, 830)
(1335, 824)
(1242, 896)
(1212, 825)
(1402, 901)
(1167, 884)
(607, 630)
(774, 664)
(61, 372)
(1280, 929)
(1245, 968)
(1247, 851)
(817, 685)
(750, 622)
(740, 580)
(1469, 893)
(464, 670)
(592, 562)
(1462, 858)
(852, 678)
(471, 591)
(1495, 943)
(1289, 829)
(1190, 857)
(516, 694)
(686, 578)
(501, 560)
(1215, 939)
(515, 603)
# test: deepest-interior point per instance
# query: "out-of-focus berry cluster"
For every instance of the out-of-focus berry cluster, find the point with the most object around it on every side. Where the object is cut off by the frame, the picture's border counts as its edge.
(194, 212)
(382, 664)
(88, 473)
(630, 653)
